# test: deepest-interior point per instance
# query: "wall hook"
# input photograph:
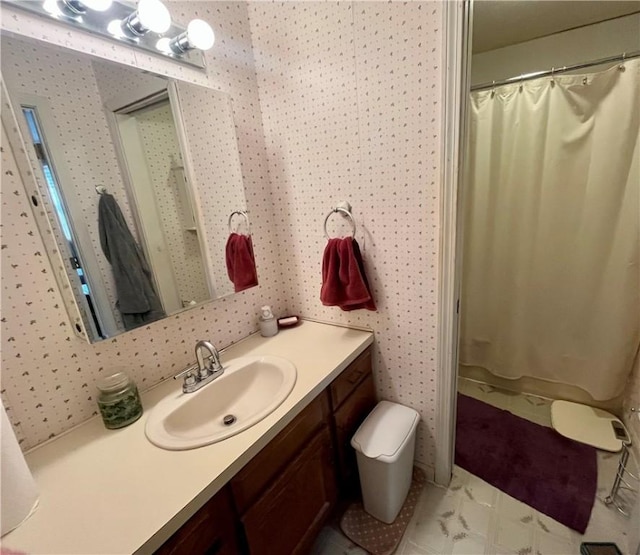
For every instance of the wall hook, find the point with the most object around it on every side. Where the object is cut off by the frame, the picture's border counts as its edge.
(345, 205)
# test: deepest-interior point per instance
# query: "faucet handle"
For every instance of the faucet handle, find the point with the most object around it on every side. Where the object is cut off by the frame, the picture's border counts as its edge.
(214, 363)
(189, 372)
(191, 378)
(206, 370)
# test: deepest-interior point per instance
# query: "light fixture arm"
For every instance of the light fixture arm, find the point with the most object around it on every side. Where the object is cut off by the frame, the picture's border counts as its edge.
(180, 43)
(133, 24)
(75, 6)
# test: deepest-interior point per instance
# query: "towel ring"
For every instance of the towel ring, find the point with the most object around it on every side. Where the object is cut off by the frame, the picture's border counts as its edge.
(242, 213)
(343, 211)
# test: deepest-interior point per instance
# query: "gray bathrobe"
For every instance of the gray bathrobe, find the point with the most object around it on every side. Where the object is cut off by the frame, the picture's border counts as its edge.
(137, 302)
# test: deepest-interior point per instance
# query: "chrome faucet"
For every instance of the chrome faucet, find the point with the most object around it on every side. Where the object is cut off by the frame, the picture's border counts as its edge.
(205, 371)
(212, 362)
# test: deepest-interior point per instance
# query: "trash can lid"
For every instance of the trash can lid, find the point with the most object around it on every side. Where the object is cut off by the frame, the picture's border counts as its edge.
(385, 431)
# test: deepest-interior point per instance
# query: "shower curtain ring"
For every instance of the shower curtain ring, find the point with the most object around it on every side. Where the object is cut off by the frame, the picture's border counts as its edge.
(553, 79)
(621, 66)
(493, 89)
(521, 81)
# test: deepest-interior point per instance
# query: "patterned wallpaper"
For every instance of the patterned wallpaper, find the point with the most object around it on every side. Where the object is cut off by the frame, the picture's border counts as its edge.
(48, 374)
(350, 96)
(160, 144)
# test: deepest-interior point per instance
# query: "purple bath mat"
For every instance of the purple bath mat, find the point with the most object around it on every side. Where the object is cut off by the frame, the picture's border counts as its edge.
(536, 465)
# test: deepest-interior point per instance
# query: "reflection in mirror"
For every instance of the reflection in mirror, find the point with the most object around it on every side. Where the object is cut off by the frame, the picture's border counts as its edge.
(137, 185)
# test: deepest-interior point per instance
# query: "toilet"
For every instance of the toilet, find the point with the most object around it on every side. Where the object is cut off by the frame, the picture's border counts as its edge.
(385, 447)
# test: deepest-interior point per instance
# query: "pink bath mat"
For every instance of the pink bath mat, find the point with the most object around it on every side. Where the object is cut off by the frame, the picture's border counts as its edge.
(377, 537)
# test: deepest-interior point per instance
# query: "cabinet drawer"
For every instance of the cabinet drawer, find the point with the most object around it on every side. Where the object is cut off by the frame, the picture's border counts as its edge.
(211, 531)
(346, 382)
(260, 471)
(347, 419)
(288, 517)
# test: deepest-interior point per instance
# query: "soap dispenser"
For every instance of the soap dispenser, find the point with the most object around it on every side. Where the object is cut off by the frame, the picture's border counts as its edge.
(268, 322)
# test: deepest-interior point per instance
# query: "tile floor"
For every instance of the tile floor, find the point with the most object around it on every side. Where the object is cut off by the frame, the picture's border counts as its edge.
(471, 517)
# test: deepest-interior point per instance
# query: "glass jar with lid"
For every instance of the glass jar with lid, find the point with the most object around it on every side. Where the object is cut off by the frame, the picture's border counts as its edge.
(118, 400)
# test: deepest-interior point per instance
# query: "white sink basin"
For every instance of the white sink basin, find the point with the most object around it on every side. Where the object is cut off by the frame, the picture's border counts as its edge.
(250, 389)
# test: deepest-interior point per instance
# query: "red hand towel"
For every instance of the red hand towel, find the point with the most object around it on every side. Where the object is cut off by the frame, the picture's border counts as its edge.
(241, 265)
(344, 282)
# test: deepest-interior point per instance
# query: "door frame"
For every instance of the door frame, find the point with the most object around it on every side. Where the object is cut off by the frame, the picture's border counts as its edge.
(457, 20)
(140, 192)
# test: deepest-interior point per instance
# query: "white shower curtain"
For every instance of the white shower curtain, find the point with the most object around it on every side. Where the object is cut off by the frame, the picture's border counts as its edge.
(551, 279)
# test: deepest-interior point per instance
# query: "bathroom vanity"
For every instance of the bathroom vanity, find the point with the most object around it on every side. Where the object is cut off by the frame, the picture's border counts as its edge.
(268, 489)
(278, 502)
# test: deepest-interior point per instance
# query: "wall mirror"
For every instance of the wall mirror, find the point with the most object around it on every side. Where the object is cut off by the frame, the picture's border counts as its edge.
(141, 192)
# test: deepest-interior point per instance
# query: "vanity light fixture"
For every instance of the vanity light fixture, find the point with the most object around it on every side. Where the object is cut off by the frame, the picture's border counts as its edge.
(145, 24)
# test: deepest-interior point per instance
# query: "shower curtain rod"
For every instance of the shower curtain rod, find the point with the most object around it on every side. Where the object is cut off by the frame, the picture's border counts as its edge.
(556, 71)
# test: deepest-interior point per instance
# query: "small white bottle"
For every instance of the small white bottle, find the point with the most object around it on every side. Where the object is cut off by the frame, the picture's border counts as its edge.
(268, 322)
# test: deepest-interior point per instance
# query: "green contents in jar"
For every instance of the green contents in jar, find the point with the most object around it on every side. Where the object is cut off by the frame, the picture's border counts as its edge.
(118, 401)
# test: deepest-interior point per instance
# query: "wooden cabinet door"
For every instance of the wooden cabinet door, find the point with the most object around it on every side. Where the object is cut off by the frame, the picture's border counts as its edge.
(266, 466)
(211, 531)
(289, 515)
(348, 417)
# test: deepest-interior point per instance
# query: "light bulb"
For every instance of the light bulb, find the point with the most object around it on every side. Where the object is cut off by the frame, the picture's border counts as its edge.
(164, 45)
(200, 34)
(51, 7)
(97, 5)
(154, 15)
(115, 28)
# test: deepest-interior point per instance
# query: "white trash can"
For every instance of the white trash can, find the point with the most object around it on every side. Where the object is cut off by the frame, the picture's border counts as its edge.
(385, 445)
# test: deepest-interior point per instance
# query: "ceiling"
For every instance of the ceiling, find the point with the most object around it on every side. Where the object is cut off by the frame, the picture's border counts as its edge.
(498, 23)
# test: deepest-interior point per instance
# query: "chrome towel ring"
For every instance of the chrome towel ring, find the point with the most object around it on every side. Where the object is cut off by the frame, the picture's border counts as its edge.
(242, 213)
(345, 212)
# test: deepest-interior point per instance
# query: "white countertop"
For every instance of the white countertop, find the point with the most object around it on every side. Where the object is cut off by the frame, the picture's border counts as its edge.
(112, 491)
